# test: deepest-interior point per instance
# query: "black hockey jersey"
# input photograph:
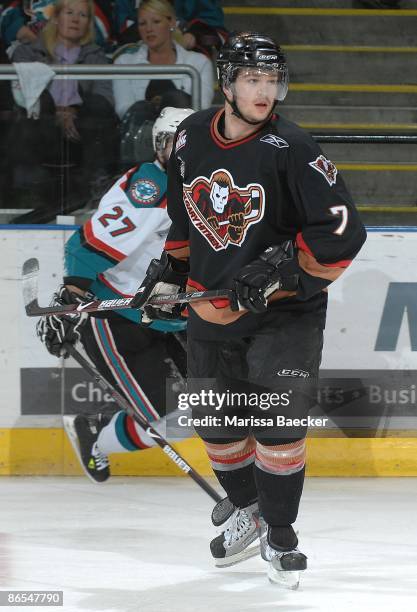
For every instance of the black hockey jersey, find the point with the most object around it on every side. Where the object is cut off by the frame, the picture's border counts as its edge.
(230, 199)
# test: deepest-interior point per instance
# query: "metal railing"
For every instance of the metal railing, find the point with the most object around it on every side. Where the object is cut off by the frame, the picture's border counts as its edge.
(365, 138)
(167, 72)
(85, 72)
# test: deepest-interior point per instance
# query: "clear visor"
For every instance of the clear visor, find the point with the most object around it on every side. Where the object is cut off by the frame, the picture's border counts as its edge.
(262, 82)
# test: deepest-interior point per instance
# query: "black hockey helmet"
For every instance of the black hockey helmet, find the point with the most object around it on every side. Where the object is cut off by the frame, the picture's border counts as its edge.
(251, 50)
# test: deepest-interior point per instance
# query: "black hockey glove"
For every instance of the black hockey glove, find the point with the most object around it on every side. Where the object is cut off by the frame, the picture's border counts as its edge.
(259, 279)
(164, 276)
(55, 331)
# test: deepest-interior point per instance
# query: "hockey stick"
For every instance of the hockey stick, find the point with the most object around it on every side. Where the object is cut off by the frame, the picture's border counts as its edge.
(30, 272)
(251, 215)
(30, 292)
(151, 431)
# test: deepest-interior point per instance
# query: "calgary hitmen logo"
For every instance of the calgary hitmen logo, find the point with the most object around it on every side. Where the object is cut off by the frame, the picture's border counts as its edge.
(220, 210)
(326, 168)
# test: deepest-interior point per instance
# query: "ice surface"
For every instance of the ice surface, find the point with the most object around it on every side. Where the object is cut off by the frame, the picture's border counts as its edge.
(141, 544)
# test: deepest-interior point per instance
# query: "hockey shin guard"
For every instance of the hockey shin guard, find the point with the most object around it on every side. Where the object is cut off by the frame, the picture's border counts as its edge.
(232, 463)
(279, 474)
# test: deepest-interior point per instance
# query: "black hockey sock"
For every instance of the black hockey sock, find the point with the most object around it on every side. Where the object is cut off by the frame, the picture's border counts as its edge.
(239, 485)
(279, 496)
(282, 538)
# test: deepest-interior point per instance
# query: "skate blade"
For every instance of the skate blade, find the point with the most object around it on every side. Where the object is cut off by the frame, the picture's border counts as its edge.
(287, 579)
(73, 438)
(239, 557)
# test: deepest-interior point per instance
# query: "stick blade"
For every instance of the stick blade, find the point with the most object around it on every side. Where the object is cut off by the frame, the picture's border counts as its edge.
(30, 272)
(30, 266)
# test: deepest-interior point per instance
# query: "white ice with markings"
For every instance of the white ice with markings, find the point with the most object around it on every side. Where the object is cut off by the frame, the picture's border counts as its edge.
(141, 544)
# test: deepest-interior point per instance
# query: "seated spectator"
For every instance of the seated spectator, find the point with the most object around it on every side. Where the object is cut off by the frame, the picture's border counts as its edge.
(157, 26)
(200, 21)
(126, 21)
(202, 25)
(77, 126)
(19, 24)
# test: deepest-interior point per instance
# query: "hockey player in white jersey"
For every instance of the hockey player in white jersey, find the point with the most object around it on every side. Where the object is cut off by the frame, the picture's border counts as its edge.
(108, 258)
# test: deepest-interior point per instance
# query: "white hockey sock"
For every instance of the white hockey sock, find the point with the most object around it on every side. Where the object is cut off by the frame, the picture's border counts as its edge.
(108, 441)
(115, 437)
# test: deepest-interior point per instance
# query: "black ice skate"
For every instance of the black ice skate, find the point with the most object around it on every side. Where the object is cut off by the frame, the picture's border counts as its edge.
(285, 561)
(83, 433)
(240, 540)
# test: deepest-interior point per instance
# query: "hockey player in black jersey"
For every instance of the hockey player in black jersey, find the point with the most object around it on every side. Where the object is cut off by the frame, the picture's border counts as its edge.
(295, 232)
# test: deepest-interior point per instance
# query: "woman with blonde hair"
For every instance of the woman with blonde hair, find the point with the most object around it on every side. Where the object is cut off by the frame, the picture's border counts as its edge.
(81, 112)
(81, 35)
(201, 23)
(157, 30)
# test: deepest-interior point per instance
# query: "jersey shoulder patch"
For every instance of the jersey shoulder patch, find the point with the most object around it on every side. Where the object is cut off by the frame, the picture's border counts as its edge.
(144, 191)
(326, 168)
(146, 187)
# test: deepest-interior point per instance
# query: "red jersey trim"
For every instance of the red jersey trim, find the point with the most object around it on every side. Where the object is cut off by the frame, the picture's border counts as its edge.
(176, 244)
(343, 263)
(99, 245)
(302, 245)
(196, 285)
(223, 142)
(127, 177)
(104, 280)
(221, 303)
(132, 433)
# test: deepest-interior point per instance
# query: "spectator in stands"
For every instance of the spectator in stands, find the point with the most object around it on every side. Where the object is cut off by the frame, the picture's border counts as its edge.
(202, 25)
(157, 28)
(20, 24)
(200, 21)
(79, 114)
(126, 21)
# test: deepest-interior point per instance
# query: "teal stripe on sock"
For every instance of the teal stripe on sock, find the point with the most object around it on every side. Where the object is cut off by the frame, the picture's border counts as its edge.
(136, 398)
(122, 434)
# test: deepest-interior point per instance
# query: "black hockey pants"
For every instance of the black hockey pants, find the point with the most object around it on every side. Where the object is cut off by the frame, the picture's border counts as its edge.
(135, 359)
(277, 370)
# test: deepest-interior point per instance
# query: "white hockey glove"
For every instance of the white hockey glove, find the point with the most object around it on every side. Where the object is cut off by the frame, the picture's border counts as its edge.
(54, 331)
(164, 276)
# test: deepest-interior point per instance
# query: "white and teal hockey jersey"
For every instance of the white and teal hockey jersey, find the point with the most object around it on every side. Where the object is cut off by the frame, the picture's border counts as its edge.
(111, 252)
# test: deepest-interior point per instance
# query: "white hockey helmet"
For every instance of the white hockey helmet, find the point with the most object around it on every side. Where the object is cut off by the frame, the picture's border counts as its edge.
(166, 124)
